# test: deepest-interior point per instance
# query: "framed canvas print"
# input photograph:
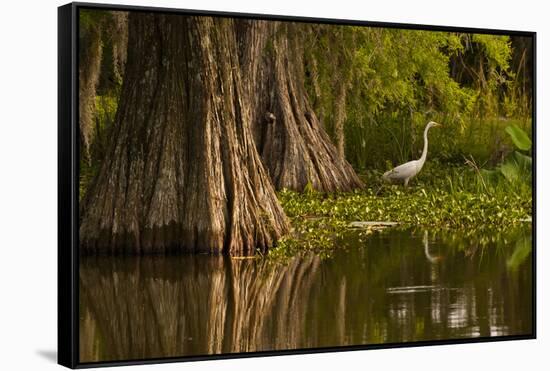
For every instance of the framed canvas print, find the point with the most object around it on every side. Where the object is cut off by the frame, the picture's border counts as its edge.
(235, 185)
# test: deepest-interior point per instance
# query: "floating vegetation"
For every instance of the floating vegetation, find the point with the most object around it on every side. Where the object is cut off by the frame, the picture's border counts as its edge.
(441, 198)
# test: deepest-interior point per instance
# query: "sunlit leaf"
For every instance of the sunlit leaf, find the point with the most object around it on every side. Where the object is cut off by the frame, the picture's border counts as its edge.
(510, 170)
(519, 137)
(524, 162)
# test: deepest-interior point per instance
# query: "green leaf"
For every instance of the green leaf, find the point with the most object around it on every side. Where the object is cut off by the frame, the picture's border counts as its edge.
(308, 189)
(517, 167)
(524, 162)
(519, 137)
(510, 170)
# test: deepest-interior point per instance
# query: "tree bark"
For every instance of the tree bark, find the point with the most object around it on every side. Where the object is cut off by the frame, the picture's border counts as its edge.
(294, 147)
(182, 172)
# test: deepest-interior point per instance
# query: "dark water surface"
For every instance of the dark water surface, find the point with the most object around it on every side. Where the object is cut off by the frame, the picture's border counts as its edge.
(396, 286)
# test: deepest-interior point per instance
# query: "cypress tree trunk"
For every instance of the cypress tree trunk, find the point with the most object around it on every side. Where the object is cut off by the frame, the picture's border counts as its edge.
(294, 147)
(182, 172)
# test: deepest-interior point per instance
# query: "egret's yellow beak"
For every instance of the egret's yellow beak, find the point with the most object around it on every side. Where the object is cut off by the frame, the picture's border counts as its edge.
(437, 124)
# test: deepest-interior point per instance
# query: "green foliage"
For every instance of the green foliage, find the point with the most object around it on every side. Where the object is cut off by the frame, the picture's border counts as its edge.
(308, 189)
(401, 79)
(89, 18)
(516, 166)
(519, 137)
(104, 116)
(497, 49)
(103, 27)
(441, 197)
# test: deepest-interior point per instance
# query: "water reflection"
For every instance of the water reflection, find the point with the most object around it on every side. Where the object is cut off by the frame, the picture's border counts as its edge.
(392, 287)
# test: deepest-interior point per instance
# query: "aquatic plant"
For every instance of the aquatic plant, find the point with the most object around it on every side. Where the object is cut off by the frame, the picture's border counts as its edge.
(442, 198)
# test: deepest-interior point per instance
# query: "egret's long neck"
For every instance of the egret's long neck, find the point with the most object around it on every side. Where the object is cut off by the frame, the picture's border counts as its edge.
(425, 150)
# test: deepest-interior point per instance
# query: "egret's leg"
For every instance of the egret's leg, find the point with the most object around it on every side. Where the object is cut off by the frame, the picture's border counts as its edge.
(406, 182)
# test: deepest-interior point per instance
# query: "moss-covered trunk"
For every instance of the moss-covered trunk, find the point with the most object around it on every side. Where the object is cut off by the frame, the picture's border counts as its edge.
(182, 172)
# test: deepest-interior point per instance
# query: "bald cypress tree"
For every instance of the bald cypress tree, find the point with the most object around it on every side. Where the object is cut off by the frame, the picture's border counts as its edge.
(213, 117)
(291, 141)
(182, 172)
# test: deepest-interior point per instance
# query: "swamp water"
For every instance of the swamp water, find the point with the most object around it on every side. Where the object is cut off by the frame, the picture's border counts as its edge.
(387, 287)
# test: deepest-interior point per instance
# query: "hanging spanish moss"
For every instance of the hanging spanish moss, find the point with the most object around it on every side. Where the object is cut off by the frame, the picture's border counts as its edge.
(119, 32)
(90, 54)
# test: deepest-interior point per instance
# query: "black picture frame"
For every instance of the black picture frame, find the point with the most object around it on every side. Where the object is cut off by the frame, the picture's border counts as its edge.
(68, 183)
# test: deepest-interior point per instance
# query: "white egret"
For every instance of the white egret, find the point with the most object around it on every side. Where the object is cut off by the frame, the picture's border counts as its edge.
(404, 173)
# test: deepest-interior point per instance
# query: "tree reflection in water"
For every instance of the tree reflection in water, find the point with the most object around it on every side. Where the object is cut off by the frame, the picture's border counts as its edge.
(382, 290)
